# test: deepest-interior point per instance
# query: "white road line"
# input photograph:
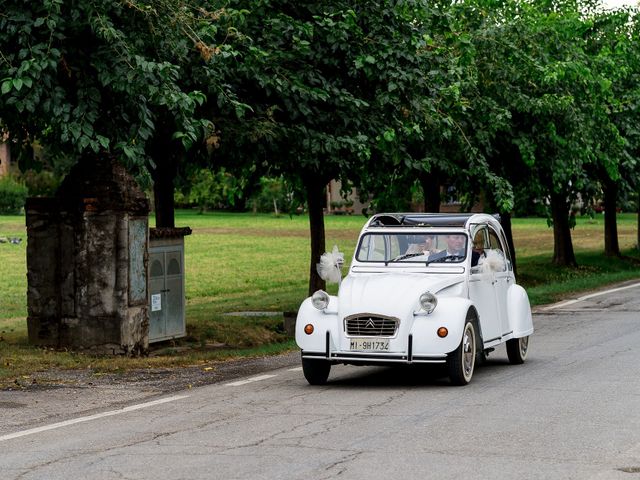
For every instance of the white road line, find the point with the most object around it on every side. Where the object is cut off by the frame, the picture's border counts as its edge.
(297, 369)
(73, 421)
(250, 380)
(587, 297)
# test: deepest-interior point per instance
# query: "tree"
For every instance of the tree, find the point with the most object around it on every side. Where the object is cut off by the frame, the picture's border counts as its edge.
(95, 77)
(438, 140)
(534, 62)
(611, 55)
(315, 105)
(618, 35)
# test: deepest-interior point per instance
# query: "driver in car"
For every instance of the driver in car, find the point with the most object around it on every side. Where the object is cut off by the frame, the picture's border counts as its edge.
(454, 252)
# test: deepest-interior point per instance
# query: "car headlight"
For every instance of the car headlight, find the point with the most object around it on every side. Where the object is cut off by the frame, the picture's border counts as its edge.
(428, 301)
(320, 299)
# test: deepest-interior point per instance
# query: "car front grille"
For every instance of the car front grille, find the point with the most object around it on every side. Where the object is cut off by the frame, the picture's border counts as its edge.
(368, 325)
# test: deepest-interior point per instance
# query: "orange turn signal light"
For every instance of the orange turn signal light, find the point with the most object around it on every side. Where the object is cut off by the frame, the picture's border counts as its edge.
(443, 332)
(308, 329)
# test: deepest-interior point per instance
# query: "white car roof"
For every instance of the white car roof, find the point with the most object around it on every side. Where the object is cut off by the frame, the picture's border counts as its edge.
(413, 220)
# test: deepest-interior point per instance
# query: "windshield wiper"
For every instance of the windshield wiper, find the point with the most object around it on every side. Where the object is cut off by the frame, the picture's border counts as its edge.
(427, 262)
(445, 258)
(402, 257)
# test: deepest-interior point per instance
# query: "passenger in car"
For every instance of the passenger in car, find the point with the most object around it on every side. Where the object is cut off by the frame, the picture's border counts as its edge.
(478, 249)
(427, 246)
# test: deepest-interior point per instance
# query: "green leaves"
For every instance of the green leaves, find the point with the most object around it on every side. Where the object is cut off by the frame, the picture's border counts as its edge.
(7, 85)
(90, 76)
(478, 93)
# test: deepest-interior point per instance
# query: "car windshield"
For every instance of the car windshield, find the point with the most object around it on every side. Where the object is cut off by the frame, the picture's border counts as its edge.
(412, 247)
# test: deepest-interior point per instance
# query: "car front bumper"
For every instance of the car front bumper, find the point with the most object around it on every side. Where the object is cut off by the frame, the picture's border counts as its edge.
(369, 358)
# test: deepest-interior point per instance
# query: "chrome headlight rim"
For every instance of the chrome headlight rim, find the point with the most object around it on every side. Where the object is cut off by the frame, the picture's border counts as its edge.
(320, 299)
(428, 301)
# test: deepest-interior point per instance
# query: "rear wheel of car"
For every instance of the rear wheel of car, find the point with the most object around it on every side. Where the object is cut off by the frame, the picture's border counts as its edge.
(316, 371)
(461, 362)
(517, 349)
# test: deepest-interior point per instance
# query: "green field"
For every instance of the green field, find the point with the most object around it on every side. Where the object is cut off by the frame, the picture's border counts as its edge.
(246, 262)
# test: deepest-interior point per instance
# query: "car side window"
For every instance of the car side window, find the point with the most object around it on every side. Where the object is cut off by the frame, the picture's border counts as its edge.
(480, 239)
(496, 245)
(479, 245)
(507, 252)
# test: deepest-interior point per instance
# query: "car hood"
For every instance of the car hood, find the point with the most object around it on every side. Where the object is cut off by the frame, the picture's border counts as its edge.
(392, 294)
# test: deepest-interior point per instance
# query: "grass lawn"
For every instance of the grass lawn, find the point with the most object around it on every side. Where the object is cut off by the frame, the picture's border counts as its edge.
(246, 262)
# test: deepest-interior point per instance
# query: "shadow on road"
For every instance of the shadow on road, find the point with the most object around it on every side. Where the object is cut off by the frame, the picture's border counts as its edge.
(407, 375)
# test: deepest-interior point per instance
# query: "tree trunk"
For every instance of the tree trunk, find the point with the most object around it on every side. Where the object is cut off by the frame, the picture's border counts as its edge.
(505, 221)
(610, 192)
(562, 246)
(430, 183)
(5, 154)
(163, 176)
(166, 154)
(316, 202)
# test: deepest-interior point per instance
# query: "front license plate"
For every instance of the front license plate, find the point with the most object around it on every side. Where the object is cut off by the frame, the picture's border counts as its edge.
(369, 345)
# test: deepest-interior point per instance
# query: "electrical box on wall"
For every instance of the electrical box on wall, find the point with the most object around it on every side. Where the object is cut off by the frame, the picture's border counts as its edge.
(166, 283)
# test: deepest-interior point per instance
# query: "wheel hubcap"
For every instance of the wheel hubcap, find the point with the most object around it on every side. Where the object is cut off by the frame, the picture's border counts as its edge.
(468, 351)
(524, 345)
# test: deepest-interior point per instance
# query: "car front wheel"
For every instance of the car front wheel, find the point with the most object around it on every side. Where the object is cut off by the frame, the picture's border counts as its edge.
(316, 371)
(461, 362)
(517, 349)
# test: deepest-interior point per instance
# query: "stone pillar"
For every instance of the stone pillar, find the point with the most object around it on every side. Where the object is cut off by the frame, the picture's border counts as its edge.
(87, 262)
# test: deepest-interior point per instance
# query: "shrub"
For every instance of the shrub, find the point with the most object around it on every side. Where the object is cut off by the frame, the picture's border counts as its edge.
(43, 183)
(208, 190)
(12, 195)
(273, 195)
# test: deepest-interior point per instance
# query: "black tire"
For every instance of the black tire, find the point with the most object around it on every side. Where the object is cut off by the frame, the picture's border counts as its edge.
(461, 362)
(316, 371)
(517, 349)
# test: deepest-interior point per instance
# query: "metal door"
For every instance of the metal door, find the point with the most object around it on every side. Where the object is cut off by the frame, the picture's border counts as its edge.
(166, 288)
(503, 280)
(482, 293)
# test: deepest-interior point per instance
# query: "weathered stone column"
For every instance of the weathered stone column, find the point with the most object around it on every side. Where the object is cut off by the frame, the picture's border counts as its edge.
(87, 262)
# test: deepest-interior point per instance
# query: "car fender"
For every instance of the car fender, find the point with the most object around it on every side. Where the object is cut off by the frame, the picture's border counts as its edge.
(323, 321)
(450, 313)
(519, 311)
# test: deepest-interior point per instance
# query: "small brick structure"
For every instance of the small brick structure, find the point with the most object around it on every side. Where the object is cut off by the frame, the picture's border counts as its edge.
(87, 256)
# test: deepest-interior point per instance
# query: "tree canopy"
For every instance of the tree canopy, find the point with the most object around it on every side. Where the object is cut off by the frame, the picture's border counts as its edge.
(87, 76)
(487, 96)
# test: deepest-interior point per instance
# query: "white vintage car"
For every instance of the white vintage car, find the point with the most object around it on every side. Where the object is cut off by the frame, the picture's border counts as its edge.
(421, 288)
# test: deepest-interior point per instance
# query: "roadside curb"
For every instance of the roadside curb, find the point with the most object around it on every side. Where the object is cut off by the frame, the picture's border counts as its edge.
(68, 394)
(616, 287)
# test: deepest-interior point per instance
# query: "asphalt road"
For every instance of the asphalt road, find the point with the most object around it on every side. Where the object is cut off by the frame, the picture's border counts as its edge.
(572, 411)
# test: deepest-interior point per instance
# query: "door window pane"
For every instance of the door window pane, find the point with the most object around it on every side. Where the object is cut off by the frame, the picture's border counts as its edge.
(156, 268)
